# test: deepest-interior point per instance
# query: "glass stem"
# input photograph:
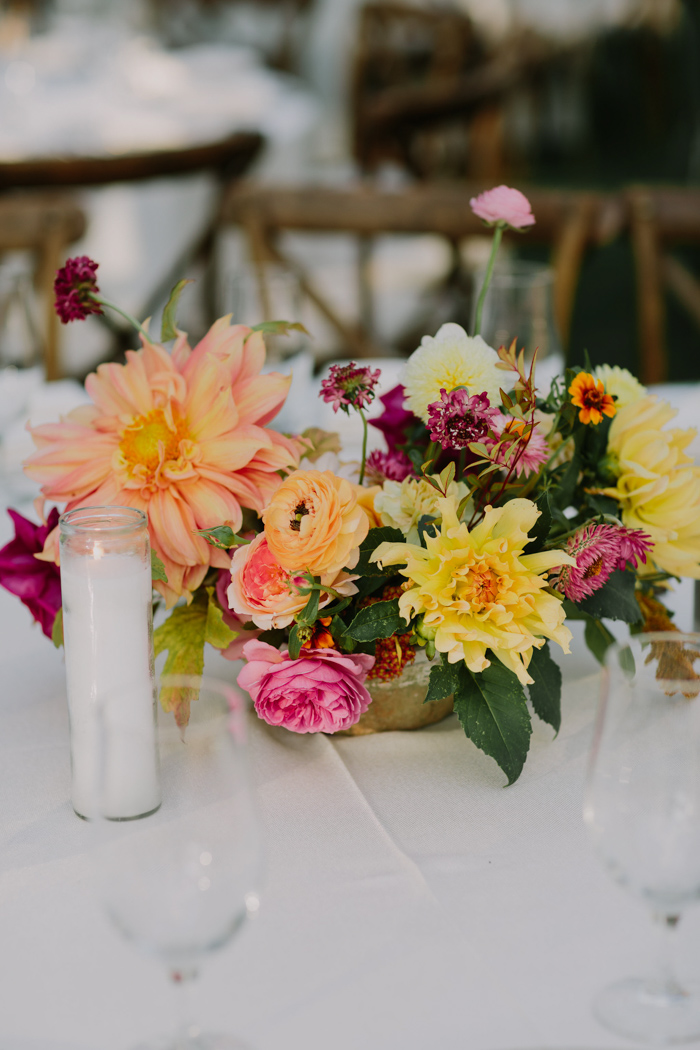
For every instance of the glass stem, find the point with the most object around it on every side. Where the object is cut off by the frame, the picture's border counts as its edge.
(186, 1030)
(664, 981)
(497, 234)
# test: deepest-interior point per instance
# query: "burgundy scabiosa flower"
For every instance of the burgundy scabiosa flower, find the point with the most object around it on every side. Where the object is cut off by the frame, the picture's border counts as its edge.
(75, 287)
(388, 466)
(349, 386)
(36, 583)
(599, 550)
(458, 419)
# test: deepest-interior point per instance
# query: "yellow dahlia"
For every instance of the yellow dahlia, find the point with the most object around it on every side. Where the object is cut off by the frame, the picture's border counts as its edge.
(179, 435)
(478, 591)
(448, 360)
(401, 504)
(658, 487)
(621, 384)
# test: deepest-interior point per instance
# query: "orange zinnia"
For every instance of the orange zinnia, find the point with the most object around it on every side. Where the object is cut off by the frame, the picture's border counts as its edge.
(180, 435)
(589, 395)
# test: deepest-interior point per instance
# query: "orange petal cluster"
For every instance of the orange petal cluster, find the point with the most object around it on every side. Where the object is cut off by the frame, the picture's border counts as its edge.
(588, 394)
(181, 436)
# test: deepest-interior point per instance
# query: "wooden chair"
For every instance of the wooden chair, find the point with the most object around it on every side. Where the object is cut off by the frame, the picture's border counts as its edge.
(567, 221)
(659, 218)
(44, 225)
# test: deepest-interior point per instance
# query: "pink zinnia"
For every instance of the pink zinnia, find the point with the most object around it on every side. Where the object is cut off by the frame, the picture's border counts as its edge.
(75, 287)
(599, 550)
(503, 205)
(321, 692)
(458, 419)
(529, 459)
(350, 386)
(388, 466)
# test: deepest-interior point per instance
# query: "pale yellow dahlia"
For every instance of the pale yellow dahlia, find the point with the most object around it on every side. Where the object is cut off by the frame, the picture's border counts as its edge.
(479, 591)
(449, 360)
(402, 504)
(620, 384)
(658, 487)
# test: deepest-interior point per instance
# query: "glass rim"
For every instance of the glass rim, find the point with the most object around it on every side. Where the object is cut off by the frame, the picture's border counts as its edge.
(513, 271)
(655, 636)
(113, 520)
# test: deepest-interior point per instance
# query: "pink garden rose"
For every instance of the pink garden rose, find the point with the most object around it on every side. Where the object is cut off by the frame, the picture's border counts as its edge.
(321, 692)
(263, 591)
(503, 204)
(234, 651)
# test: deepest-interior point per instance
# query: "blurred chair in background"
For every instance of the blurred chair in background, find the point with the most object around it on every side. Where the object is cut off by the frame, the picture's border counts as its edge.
(43, 226)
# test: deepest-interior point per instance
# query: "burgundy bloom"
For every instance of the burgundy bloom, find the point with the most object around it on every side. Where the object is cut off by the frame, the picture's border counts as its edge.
(395, 420)
(387, 466)
(458, 419)
(599, 550)
(36, 583)
(349, 386)
(75, 287)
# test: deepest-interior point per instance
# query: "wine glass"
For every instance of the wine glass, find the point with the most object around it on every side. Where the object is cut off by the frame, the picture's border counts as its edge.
(179, 882)
(642, 809)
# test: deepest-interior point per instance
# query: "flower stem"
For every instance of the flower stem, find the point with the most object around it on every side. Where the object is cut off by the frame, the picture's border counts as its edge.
(497, 234)
(127, 317)
(364, 445)
(181, 982)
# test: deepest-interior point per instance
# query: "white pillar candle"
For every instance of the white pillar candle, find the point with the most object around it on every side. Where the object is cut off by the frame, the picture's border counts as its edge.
(106, 591)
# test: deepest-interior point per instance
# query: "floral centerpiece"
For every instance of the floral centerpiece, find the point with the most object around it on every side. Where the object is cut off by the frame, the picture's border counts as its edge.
(496, 513)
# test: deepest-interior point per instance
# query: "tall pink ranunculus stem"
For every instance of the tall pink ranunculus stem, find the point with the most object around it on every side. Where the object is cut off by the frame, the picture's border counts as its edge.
(495, 245)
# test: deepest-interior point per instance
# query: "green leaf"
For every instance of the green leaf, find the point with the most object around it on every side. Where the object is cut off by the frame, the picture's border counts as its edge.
(443, 681)
(168, 328)
(383, 534)
(380, 620)
(493, 711)
(615, 600)
(278, 328)
(157, 568)
(545, 690)
(540, 532)
(57, 630)
(216, 632)
(309, 614)
(598, 638)
(425, 525)
(221, 536)
(563, 493)
(294, 643)
(183, 635)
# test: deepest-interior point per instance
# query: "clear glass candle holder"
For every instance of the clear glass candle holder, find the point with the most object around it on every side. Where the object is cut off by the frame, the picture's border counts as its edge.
(108, 636)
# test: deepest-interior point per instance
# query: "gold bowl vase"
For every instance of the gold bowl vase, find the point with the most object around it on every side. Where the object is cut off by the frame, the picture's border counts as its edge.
(398, 704)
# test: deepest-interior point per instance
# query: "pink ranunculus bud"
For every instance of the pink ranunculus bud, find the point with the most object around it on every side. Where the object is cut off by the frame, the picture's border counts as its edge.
(503, 204)
(321, 692)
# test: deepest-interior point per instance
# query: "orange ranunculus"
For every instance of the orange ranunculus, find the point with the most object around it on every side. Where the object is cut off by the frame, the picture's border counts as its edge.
(179, 435)
(314, 522)
(588, 394)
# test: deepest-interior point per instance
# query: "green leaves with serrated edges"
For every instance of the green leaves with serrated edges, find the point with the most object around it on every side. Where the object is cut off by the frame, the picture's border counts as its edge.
(157, 568)
(443, 681)
(380, 620)
(615, 600)
(545, 689)
(492, 709)
(382, 534)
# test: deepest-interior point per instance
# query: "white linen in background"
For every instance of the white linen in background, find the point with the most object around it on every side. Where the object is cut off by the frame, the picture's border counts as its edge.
(411, 901)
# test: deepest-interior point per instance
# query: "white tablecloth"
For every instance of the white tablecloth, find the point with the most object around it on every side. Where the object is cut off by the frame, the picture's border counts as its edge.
(411, 901)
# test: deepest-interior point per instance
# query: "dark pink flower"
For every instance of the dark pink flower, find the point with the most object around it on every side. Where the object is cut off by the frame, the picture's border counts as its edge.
(75, 286)
(387, 466)
(395, 421)
(36, 583)
(503, 205)
(321, 692)
(349, 386)
(457, 419)
(599, 550)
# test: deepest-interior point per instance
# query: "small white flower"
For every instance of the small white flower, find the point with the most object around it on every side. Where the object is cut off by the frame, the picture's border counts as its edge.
(448, 360)
(620, 384)
(402, 504)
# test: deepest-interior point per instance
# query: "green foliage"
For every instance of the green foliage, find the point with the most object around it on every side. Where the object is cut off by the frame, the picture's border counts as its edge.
(168, 328)
(443, 681)
(545, 690)
(493, 711)
(294, 643)
(183, 636)
(221, 536)
(380, 620)
(157, 568)
(615, 600)
(540, 532)
(383, 534)
(278, 328)
(598, 638)
(57, 629)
